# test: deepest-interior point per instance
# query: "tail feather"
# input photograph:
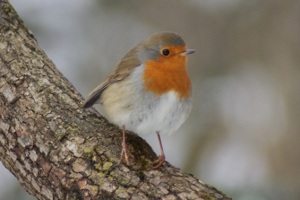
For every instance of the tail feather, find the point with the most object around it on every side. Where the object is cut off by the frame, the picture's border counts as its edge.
(95, 95)
(90, 101)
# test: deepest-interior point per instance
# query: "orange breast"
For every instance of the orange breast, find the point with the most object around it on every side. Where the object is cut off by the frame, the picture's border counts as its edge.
(166, 74)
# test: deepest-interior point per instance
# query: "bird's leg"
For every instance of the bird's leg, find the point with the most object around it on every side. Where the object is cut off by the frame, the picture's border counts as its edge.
(124, 152)
(161, 159)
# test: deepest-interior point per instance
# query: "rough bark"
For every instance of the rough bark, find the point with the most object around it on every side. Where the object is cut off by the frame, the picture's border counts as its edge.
(58, 150)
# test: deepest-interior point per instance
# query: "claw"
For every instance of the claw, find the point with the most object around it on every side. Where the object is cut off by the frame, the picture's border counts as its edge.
(124, 152)
(158, 162)
(161, 159)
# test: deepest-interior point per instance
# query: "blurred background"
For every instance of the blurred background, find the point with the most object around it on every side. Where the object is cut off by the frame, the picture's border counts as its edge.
(243, 133)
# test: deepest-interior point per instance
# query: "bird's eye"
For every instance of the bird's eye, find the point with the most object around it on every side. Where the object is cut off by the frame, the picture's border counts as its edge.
(165, 52)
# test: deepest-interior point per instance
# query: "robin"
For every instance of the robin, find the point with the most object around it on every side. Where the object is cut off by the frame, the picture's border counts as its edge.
(149, 91)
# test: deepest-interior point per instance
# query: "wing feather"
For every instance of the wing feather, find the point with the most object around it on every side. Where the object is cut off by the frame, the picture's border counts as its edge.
(128, 63)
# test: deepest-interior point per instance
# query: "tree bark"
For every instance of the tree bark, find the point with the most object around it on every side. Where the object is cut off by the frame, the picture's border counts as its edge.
(56, 149)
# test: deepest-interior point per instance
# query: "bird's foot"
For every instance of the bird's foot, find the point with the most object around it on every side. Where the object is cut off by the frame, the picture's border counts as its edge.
(158, 162)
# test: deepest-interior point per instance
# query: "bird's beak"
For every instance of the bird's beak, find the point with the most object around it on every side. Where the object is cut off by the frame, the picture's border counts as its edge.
(188, 51)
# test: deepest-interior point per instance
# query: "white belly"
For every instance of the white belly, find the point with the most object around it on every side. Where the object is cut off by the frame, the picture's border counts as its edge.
(143, 112)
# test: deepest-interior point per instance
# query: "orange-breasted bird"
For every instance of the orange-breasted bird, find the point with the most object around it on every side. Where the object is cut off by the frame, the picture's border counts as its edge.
(149, 91)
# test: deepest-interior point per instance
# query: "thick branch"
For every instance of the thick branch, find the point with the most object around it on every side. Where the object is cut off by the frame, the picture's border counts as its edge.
(58, 150)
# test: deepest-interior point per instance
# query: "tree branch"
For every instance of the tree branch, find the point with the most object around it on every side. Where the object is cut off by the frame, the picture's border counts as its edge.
(58, 150)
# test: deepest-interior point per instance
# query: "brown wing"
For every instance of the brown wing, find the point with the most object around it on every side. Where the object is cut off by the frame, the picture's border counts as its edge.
(123, 70)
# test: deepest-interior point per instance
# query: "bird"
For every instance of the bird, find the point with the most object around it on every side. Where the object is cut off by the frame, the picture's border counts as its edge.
(149, 91)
